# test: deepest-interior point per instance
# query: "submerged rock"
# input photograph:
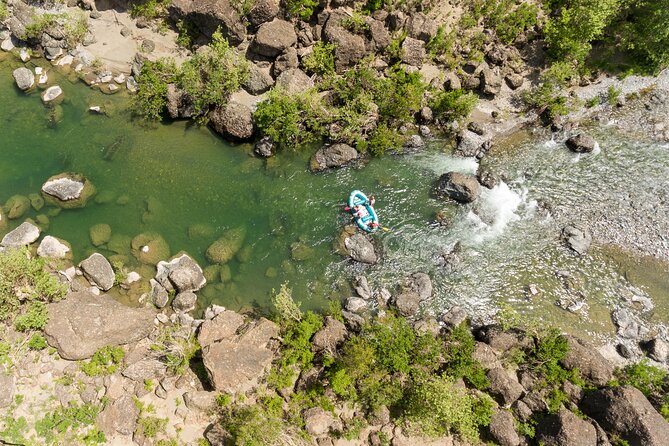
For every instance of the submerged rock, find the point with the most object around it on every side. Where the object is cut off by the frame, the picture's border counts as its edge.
(83, 322)
(100, 234)
(150, 248)
(24, 235)
(459, 187)
(98, 270)
(68, 190)
(225, 248)
(17, 206)
(336, 155)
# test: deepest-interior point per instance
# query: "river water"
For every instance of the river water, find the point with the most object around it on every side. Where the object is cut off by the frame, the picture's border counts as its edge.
(188, 185)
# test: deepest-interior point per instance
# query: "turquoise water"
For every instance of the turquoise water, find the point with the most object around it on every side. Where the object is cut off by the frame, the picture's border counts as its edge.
(167, 178)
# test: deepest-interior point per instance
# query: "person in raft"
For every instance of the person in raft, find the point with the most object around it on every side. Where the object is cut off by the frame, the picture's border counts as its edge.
(372, 200)
(372, 225)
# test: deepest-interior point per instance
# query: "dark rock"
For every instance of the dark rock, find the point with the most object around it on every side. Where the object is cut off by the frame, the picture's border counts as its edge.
(476, 127)
(354, 322)
(379, 35)
(565, 428)
(98, 270)
(259, 81)
(577, 237)
(217, 435)
(179, 103)
(234, 121)
(514, 80)
(285, 61)
(210, 15)
(263, 11)
(491, 81)
(581, 143)
(159, 295)
(657, 349)
(502, 429)
(336, 155)
(625, 411)
(503, 387)
(413, 52)
(591, 364)
(264, 147)
(328, 337)
(350, 48)
(183, 272)
(273, 38)
(83, 322)
(458, 186)
(486, 177)
(396, 20)
(503, 340)
(360, 249)
(407, 303)
(522, 410)
(420, 27)
(624, 351)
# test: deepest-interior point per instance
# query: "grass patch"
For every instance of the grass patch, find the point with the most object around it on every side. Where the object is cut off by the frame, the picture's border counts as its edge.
(105, 361)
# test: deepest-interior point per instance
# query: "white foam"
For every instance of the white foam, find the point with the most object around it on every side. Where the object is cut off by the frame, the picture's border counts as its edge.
(441, 163)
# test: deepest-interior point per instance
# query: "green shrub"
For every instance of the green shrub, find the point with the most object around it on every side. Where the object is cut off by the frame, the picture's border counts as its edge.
(151, 98)
(35, 317)
(549, 95)
(65, 423)
(382, 139)
(151, 426)
(440, 47)
(355, 23)
(284, 304)
(105, 361)
(437, 406)
(645, 377)
(253, 426)
(296, 345)
(39, 24)
(645, 32)
(612, 95)
(400, 95)
(150, 9)
(321, 61)
(19, 273)
(373, 5)
(453, 105)
(187, 33)
(4, 12)
(37, 342)
(290, 120)
(459, 362)
(509, 18)
(303, 9)
(178, 349)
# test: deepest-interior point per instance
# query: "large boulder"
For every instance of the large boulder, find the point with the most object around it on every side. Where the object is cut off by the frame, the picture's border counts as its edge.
(24, 235)
(336, 155)
(83, 322)
(421, 284)
(420, 27)
(52, 93)
(274, 37)
(502, 428)
(53, 248)
(407, 303)
(625, 412)
(225, 248)
(263, 11)
(68, 190)
(349, 47)
(294, 81)
(581, 143)
(360, 249)
(491, 81)
(657, 349)
(460, 187)
(328, 337)
(590, 363)
(577, 237)
(182, 273)
(504, 387)
(234, 121)
(179, 103)
(24, 78)
(98, 270)
(17, 206)
(413, 52)
(184, 302)
(565, 429)
(236, 362)
(318, 421)
(471, 143)
(119, 417)
(259, 80)
(210, 15)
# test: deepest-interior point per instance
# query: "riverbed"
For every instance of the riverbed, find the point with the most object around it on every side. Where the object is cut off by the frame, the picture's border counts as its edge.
(186, 184)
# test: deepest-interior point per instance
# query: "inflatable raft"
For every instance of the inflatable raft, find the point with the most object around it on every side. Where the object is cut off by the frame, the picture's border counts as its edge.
(365, 213)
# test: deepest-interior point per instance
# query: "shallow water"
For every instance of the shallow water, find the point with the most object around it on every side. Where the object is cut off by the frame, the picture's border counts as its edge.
(176, 175)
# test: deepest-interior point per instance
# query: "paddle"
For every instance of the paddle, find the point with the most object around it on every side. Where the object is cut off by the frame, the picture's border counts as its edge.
(385, 229)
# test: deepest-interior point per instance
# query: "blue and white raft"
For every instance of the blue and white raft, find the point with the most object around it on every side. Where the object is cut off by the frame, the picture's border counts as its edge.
(365, 213)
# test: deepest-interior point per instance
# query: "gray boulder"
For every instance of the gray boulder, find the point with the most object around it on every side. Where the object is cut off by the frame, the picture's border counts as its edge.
(504, 387)
(491, 81)
(413, 52)
(68, 190)
(581, 143)
(336, 155)
(23, 235)
(471, 144)
(210, 15)
(349, 47)
(119, 417)
(361, 287)
(83, 322)
(53, 248)
(264, 147)
(514, 80)
(328, 337)
(459, 187)
(356, 305)
(629, 326)
(263, 11)
(179, 103)
(52, 93)
(159, 295)
(294, 81)
(286, 60)
(502, 429)
(234, 121)
(407, 303)
(259, 80)
(98, 270)
(360, 249)
(590, 363)
(564, 428)
(503, 340)
(273, 38)
(657, 349)
(421, 284)
(24, 78)
(184, 301)
(625, 412)
(201, 400)
(318, 421)
(577, 237)
(182, 273)
(420, 27)
(455, 316)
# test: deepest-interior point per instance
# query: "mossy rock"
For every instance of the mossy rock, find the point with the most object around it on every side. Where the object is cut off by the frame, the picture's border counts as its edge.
(123, 200)
(225, 248)
(288, 267)
(200, 232)
(150, 248)
(3, 220)
(244, 255)
(43, 222)
(118, 259)
(271, 272)
(339, 243)
(17, 206)
(105, 197)
(225, 274)
(86, 193)
(212, 273)
(100, 234)
(54, 212)
(300, 251)
(118, 243)
(36, 201)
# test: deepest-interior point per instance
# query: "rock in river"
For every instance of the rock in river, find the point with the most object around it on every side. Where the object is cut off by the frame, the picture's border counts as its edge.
(53, 248)
(582, 143)
(17, 206)
(97, 269)
(459, 187)
(182, 273)
(227, 246)
(360, 249)
(234, 121)
(150, 248)
(83, 322)
(24, 235)
(24, 78)
(336, 155)
(68, 190)
(577, 238)
(52, 93)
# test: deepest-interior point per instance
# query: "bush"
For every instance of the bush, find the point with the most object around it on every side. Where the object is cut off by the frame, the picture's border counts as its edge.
(383, 139)
(177, 347)
(355, 23)
(440, 47)
(40, 23)
(150, 9)
(63, 425)
(284, 304)
(253, 425)
(453, 105)
(400, 95)
(645, 377)
(35, 317)
(37, 342)
(4, 12)
(645, 32)
(304, 9)
(151, 98)
(25, 276)
(437, 406)
(458, 359)
(321, 60)
(105, 361)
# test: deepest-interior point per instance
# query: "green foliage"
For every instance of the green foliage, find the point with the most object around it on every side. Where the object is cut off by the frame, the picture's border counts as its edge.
(382, 139)
(355, 23)
(187, 32)
(555, 399)
(612, 95)
(223, 400)
(35, 317)
(458, 358)
(37, 342)
(645, 377)
(290, 120)
(617, 441)
(373, 5)
(526, 429)
(296, 345)
(454, 104)
(105, 361)
(399, 96)
(39, 24)
(645, 32)
(287, 309)
(151, 426)
(15, 429)
(303, 9)
(437, 406)
(243, 7)
(253, 425)
(509, 18)
(66, 422)
(575, 24)
(151, 98)
(394, 50)
(440, 47)
(150, 9)
(4, 12)
(178, 347)
(74, 26)
(321, 60)
(21, 275)
(210, 76)
(548, 95)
